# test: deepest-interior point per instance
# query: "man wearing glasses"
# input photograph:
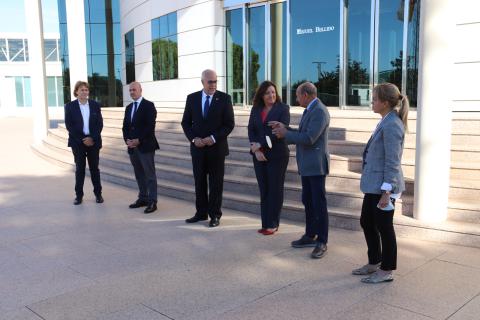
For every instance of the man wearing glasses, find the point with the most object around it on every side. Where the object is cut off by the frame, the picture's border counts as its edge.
(207, 121)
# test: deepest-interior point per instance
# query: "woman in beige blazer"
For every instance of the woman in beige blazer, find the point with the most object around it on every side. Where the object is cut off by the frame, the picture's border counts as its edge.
(382, 182)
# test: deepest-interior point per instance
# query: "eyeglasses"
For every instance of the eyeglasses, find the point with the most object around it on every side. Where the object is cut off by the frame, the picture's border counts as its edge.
(212, 81)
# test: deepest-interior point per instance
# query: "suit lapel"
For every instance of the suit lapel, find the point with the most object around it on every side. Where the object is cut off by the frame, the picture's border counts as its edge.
(272, 113)
(212, 103)
(307, 115)
(128, 112)
(375, 133)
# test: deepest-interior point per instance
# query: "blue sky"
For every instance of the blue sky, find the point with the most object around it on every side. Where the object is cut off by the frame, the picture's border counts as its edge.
(12, 17)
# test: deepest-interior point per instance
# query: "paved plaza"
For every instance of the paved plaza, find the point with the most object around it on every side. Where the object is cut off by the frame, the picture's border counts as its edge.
(105, 261)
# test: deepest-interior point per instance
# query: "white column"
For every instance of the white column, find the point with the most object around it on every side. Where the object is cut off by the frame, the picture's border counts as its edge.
(36, 56)
(432, 160)
(77, 45)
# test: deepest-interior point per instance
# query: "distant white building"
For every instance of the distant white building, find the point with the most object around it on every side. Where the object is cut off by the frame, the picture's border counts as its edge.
(15, 96)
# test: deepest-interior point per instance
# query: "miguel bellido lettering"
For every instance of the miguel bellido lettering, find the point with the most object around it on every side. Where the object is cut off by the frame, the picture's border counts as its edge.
(315, 30)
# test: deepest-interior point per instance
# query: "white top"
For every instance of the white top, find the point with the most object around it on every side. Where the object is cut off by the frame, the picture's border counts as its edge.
(85, 109)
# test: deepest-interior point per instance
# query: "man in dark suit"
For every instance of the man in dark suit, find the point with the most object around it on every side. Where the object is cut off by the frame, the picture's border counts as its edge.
(139, 135)
(311, 140)
(84, 123)
(207, 121)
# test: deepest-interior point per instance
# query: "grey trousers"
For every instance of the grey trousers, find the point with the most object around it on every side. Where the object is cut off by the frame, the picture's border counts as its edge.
(144, 168)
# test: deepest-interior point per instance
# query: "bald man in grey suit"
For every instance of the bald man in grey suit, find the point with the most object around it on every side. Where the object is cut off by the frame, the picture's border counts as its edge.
(313, 161)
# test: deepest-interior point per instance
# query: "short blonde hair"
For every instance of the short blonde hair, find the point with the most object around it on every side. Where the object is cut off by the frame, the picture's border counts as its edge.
(78, 85)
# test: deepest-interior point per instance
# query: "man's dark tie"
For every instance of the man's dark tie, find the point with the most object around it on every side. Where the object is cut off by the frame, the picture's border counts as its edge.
(205, 107)
(135, 105)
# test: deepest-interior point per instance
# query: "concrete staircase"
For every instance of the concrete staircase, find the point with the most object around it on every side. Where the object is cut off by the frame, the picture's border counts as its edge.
(349, 131)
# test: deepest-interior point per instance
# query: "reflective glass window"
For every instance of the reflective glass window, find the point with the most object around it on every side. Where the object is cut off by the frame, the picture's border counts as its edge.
(358, 16)
(25, 44)
(130, 56)
(3, 50)
(164, 47)
(172, 23)
(412, 51)
(234, 26)
(97, 10)
(315, 47)
(62, 11)
(98, 39)
(172, 57)
(19, 91)
(116, 11)
(155, 26)
(256, 49)
(99, 65)
(51, 91)
(163, 27)
(117, 38)
(390, 42)
(27, 91)
(50, 48)
(59, 84)
(16, 50)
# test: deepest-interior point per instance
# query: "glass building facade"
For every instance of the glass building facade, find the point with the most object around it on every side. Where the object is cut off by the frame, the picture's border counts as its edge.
(165, 47)
(103, 44)
(102, 30)
(63, 50)
(344, 47)
(130, 56)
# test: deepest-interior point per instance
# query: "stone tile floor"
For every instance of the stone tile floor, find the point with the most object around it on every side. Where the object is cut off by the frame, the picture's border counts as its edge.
(105, 261)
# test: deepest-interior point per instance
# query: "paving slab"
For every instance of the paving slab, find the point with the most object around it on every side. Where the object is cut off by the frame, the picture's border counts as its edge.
(106, 261)
(437, 289)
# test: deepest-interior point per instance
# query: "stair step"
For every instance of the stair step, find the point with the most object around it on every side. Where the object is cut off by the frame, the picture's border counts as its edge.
(450, 231)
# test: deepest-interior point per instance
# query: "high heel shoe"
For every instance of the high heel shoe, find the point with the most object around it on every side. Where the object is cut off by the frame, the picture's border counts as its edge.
(269, 232)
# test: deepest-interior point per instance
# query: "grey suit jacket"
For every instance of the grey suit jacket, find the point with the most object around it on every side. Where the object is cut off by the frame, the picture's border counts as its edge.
(311, 140)
(383, 156)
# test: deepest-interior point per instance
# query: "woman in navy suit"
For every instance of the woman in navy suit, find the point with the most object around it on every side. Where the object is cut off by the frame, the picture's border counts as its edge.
(382, 182)
(270, 154)
(84, 122)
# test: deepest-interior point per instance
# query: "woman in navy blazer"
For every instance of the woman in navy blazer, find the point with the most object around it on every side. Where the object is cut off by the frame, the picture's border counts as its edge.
(382, 182)
(85, 139)
(270, 154)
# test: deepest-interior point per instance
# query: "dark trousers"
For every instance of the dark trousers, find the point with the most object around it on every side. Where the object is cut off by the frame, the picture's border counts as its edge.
(379, 233)
(316, 212)
(271, 177)
(144, 168)
(81, 155)
(208, 171)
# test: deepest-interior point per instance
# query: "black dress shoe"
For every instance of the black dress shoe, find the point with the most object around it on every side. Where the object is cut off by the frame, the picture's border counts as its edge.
(214, 222)
(195, 218)
(99, 199)
(319, 251)
(304, 241)
(151, 207)
(138, 204)
(77, 201)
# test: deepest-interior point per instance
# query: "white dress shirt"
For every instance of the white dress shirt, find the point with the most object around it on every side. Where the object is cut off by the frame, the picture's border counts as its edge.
(85, 110)
(133, 107)
(204, 97)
